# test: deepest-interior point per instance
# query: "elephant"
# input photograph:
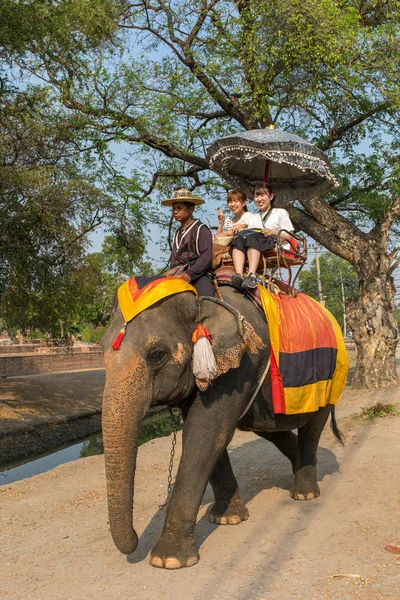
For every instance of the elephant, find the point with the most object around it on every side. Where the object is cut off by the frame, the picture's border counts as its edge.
(152, 368)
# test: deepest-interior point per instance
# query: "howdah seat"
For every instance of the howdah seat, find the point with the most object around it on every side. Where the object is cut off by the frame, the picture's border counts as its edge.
(273, 261)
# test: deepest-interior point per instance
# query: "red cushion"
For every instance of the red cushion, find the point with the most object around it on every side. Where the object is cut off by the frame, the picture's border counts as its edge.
(294, 248)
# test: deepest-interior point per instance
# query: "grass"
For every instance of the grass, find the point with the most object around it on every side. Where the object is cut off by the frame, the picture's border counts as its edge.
(379, 410)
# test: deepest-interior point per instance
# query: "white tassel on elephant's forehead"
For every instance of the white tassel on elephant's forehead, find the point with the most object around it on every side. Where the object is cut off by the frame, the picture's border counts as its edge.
(203, 362)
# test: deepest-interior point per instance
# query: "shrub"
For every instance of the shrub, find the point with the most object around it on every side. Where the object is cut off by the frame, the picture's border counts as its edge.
(36, 335)
(93, 335)
(97, 334)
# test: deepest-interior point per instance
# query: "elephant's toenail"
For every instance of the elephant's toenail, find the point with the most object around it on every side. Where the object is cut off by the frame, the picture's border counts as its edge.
(156, 561)
(172, 563)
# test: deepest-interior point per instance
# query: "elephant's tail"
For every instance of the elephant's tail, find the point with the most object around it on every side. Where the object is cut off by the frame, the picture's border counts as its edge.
(336, 431)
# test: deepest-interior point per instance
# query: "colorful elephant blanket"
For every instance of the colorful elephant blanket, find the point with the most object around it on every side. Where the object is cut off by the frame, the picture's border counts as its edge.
(309, 361)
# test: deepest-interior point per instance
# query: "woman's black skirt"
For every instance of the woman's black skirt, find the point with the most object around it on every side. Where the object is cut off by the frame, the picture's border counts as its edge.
(252, 239)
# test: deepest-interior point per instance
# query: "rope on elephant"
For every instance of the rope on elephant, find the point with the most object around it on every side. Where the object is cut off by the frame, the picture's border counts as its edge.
(263, 376)
(216, 288)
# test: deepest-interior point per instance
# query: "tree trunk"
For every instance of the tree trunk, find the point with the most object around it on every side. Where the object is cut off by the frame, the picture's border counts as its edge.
(371, 318)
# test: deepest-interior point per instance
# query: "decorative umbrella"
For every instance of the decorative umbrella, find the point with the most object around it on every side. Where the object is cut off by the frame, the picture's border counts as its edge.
(295, 168)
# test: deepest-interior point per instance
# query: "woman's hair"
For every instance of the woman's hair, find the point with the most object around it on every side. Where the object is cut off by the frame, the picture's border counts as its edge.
(239, 194)
(262, 187)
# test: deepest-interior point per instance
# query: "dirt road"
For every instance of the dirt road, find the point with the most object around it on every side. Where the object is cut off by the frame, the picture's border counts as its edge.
(54, 542)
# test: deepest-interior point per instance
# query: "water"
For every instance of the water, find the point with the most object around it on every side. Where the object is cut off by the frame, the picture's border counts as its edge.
(155, 426)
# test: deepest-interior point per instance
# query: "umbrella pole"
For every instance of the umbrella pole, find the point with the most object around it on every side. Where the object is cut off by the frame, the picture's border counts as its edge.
(266, 171)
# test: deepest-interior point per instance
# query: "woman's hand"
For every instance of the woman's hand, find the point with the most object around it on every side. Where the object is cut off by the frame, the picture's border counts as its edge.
(238, 227)
(269, 231)
(221, 217)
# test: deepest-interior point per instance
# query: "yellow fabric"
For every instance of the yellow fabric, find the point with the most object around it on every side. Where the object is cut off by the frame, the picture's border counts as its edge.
(309, 398)
(149, 295)
(272, 316)
(342, 361)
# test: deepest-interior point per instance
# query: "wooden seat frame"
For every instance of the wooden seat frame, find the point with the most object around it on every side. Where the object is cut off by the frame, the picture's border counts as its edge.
(282, 257)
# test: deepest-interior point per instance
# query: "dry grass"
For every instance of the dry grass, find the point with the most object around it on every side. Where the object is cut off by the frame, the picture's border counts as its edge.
(379, 410)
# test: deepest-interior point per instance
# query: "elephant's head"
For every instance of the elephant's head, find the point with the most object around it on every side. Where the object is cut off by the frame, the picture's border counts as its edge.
(154, 366)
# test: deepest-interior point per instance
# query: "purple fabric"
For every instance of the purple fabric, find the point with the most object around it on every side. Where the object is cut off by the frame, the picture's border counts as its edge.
(185, 246)
(204, 286)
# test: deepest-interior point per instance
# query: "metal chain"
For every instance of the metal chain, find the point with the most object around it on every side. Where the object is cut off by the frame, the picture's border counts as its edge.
(176, 423)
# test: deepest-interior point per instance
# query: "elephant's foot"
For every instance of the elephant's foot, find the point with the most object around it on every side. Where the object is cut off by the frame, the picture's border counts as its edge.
(305, 486)
(231, 512)
(169, 553)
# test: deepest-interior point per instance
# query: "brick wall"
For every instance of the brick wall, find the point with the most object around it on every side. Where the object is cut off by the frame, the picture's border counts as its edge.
(32, 364)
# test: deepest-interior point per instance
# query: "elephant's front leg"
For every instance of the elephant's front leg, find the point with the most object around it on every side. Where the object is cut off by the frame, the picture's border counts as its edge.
(229, 508)
(206, 434)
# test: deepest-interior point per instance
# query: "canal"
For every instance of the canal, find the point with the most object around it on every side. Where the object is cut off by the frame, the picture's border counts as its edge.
(154, 426)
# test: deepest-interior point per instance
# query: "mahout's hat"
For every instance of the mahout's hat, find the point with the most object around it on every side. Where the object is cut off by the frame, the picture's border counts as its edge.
(182, 195)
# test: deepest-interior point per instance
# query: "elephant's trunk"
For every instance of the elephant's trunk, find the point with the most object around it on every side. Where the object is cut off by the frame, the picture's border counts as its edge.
(122, 417)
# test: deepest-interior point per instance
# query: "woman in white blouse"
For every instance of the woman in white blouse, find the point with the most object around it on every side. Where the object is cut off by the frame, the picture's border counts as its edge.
(236, 202)
(268, 221)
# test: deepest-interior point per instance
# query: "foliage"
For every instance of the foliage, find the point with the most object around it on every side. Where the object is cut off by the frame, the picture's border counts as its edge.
(36, 335)
(319, 67)
(162, 79)
(93, 334)
(73, 27)
(122, 255)
(379, 410)
(294, 44)
(162, 88)
(49, 203)
(92, 446)
(52, 190)
(158, 425)
(333, 271)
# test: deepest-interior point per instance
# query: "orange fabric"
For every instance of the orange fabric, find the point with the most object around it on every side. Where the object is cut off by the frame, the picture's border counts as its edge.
(199, 332)
(136, 292)
(302, 324)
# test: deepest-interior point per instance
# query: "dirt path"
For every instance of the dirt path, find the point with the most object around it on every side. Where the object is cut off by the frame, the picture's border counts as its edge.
(54, 542)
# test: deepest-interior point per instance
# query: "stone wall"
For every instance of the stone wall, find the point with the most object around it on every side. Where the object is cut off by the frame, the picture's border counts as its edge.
(33, 364)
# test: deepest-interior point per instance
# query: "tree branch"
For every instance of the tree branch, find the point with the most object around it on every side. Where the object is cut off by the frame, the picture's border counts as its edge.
(322, 222)
(337, 133)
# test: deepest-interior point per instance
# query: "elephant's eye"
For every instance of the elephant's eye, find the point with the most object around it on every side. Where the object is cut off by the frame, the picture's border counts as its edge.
(156, 355)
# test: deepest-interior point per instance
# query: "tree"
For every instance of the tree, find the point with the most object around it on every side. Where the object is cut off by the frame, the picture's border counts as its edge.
(397, 316)
(333, 271)
(52, 193)
(50, 201)
(327, 69)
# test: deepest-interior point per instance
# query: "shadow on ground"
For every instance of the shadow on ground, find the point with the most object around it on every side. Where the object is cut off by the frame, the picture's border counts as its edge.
(276, 473)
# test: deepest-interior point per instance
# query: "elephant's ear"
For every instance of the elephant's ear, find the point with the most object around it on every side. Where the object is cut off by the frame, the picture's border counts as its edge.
(231, 337)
